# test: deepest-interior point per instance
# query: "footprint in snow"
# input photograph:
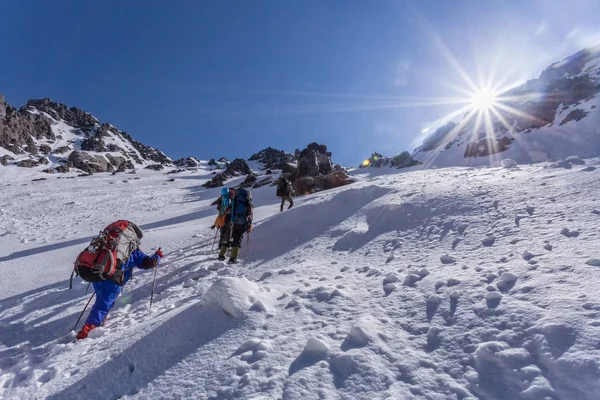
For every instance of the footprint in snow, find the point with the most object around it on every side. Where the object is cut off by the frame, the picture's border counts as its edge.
(569, 233)
(433, 302)
(454, 296)
(356, 338)
(433, 338)
(507, 282)
(493, 299)
(529, 210)
(489, 241)
(446, 259)
(455, 243)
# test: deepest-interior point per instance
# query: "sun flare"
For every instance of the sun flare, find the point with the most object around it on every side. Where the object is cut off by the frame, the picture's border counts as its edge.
(483, 100)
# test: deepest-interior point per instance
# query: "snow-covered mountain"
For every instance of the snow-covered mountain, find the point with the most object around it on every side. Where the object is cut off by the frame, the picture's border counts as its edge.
(54, 138)
(461, 283)
(554, 116)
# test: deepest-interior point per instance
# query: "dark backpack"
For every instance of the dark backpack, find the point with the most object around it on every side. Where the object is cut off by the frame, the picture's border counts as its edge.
(242, 207)
(282, 188)
(105, 255)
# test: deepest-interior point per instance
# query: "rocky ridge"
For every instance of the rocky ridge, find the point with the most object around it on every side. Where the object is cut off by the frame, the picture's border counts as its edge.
(59, 138)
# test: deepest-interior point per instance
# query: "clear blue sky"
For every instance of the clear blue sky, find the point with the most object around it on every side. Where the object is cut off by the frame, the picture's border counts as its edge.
(228, 78)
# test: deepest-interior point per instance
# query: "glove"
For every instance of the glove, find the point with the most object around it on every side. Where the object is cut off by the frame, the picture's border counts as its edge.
(212, 227)
(159, 253)
(248, 228)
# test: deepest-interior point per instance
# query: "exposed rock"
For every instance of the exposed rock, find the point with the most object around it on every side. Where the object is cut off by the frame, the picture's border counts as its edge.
(309, 184)
(238, 167)
(188, 162)
(574, 115)
(28, 163)
(113, 148)
(89, 163)
(44, 160)
(263, 182)
(17, 128)
(315, 171)
(217, 181)
(62, 150)
(485, 147)
(94, 143)
(72, 116)
(45, 149)
(272, 158)
(155, 167)
(235, 168)
(249, 181)
(5, 159)
(402, 160)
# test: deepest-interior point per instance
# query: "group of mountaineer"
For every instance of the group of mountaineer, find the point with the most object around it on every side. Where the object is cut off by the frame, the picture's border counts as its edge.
(108, 261)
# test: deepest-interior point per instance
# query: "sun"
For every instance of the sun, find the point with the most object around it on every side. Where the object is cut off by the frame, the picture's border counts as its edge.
(483, 100)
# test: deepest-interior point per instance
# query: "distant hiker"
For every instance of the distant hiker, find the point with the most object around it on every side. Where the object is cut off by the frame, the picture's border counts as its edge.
(285, 191)
(108, 263)
(236, 210)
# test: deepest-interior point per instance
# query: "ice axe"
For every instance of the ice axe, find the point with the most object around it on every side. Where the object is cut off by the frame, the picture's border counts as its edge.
(153, 283)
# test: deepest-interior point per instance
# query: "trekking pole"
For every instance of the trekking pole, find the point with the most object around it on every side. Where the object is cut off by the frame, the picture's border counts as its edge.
(214, 240)
(153, 283)
(87, 287)
(84, 308)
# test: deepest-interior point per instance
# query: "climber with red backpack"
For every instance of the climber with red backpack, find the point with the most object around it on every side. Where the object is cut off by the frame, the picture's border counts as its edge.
(108, 263)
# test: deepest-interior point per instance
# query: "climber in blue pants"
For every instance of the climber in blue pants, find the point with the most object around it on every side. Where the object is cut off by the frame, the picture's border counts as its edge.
(107, 291)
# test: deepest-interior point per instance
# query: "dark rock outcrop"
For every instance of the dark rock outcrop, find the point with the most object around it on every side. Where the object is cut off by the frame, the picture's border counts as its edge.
(249, 181)
(574, 115)
(402, 160)
(236, 168)
(28, 163)
(45, 149)
(188, 162)
(22, 129)
(486, 147)
(17, 128)
(315, 171)
(89, 163)
(271, 158)
(94, 143)
(5, 159)
(62, 150)
(72, 116)
(147, 152)
(264, 182)
(155, 167)
(311, 184)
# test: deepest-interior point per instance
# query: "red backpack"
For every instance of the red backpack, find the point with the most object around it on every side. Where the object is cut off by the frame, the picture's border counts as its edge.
(103, 258)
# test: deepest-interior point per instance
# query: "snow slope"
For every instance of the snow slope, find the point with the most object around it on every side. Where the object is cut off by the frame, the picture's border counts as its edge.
(459, 283)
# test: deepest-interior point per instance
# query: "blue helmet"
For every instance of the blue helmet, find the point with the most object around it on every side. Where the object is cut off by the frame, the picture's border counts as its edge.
(225, 192)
